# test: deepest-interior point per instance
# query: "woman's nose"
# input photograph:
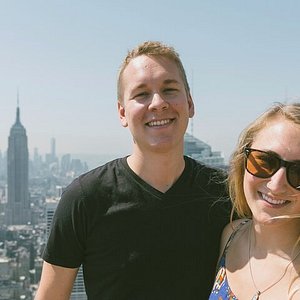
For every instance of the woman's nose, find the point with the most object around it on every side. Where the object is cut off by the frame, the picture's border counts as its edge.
(278, 181)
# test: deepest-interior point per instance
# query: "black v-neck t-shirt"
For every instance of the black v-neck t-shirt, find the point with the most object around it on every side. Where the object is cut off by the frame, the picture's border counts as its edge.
(135, 242)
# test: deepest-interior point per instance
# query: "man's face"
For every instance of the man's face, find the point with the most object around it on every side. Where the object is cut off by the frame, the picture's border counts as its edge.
(155, 104)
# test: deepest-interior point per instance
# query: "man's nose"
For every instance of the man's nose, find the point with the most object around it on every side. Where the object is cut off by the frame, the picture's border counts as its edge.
(158, 102)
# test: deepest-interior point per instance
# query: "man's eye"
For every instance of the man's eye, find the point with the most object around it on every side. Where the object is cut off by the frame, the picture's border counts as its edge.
(170, 91)
(140, 95)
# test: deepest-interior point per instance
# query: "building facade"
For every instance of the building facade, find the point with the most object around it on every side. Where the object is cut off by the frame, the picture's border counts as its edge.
(202, 152)
(18, 202)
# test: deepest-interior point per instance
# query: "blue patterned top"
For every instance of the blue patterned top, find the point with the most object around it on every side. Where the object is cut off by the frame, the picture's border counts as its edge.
(221, 289)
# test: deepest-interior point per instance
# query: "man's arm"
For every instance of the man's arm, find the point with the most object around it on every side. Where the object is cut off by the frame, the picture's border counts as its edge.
(56, 282)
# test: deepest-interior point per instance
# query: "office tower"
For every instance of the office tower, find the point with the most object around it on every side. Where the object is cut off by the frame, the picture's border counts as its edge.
(201, 151)
(18, 205)
(65, 164)
(78, 292)
(51, 157)
(51, 205)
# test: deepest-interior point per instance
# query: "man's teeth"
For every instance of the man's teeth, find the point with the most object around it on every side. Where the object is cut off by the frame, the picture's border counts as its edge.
(159, 123)
(273, 201)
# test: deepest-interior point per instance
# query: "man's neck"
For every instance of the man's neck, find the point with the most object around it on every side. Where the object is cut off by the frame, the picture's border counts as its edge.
(159, 170)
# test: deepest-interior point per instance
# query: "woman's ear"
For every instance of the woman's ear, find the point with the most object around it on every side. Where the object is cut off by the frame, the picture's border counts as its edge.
(122, 116)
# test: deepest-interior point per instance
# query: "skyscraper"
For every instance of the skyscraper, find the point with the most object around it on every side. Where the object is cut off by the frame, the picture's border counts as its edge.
(51, 157)
(18, 206)
(202, 152)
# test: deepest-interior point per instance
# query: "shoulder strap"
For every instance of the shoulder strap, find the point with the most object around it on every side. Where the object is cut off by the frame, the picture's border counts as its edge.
(233, 235)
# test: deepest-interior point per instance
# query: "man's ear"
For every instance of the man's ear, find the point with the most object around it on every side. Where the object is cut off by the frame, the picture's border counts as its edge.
(191, 106)
(121, 110)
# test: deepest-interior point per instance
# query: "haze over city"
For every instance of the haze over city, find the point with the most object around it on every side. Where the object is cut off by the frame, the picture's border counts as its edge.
(63, 58)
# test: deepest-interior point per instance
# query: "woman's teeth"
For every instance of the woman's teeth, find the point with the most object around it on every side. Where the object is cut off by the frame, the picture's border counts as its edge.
(273, 201)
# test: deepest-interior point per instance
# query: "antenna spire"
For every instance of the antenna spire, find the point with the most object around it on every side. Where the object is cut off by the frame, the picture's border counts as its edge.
(18, 109)
(18, 101)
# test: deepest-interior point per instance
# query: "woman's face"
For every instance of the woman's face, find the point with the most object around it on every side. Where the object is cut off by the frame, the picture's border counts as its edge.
(274, 196)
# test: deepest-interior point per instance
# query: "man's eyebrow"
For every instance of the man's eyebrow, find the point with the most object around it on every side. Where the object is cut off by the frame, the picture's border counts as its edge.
(169, 81)
(140, 86)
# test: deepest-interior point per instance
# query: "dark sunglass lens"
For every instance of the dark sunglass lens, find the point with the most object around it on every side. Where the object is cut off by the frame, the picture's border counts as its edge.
(262, 164)
(293, 175)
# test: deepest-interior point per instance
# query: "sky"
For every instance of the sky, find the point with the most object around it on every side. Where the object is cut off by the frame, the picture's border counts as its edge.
(62, 58)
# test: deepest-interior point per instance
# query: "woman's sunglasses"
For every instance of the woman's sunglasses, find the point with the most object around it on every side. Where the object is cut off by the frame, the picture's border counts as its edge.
(264, 165)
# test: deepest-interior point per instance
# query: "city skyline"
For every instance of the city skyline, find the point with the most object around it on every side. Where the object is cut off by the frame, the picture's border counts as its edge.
(64, 58)
(193, 147)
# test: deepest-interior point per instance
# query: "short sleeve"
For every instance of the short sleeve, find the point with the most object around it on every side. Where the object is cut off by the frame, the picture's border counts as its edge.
(66, 243)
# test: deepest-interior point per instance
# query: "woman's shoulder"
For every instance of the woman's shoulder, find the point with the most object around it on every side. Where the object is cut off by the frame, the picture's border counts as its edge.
(229, 229)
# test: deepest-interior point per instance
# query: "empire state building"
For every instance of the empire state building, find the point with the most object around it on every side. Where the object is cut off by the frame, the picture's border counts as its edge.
(18, 207)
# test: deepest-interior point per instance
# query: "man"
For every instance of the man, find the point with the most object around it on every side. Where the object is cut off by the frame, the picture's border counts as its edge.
(146, 226)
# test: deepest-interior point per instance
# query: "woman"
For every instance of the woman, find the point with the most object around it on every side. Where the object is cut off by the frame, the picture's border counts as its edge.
(260, 257)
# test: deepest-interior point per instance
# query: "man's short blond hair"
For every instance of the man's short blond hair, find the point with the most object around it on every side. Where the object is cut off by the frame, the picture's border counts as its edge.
(151, 48)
